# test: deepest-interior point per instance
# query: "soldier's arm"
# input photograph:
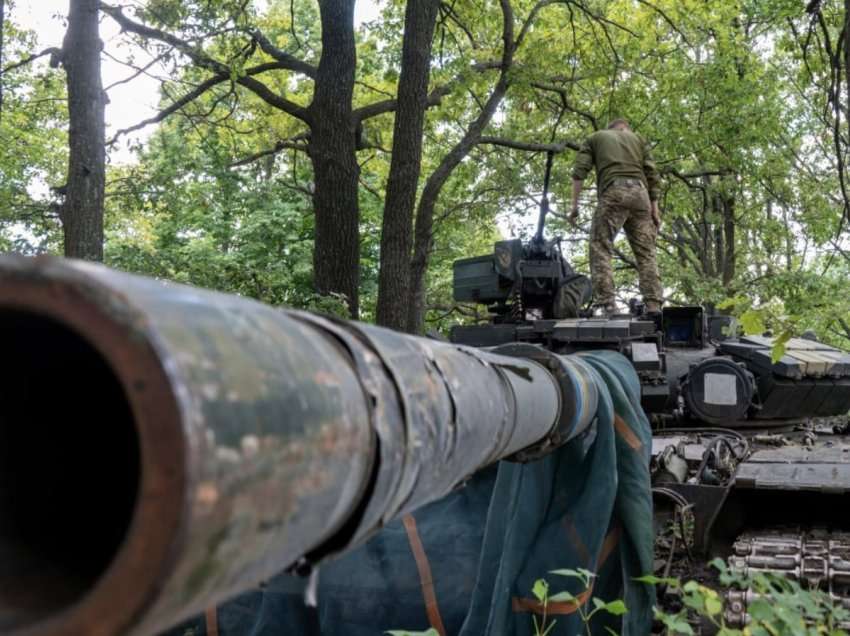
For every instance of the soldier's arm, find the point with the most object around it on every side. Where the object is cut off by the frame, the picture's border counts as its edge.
(581, 168)
(653, 181)
(650, 172)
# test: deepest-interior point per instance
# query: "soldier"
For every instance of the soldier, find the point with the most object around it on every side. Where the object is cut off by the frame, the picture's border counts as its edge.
(627, 189)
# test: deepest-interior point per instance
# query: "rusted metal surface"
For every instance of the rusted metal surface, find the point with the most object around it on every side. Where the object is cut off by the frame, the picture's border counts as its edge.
(264, 436)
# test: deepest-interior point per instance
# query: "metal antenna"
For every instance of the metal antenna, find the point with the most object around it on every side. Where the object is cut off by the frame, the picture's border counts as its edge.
(544, 201)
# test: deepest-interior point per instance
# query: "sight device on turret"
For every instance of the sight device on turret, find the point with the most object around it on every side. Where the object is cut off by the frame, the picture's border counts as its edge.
(520, 279)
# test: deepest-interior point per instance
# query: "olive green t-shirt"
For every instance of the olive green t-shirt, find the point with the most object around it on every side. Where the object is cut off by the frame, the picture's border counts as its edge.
(617, 154)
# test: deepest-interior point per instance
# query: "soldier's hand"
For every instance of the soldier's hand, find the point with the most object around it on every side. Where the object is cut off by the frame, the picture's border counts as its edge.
(656, 215)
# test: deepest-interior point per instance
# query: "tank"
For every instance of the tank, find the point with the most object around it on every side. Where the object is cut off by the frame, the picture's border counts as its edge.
(756, 448)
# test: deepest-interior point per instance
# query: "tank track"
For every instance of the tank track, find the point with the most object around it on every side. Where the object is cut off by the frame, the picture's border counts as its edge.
(816, 558)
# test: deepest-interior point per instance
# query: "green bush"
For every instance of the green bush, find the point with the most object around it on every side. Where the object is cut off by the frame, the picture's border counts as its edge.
(782, 607)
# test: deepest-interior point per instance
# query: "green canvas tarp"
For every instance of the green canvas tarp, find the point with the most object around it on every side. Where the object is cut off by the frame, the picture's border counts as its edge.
(466, 565)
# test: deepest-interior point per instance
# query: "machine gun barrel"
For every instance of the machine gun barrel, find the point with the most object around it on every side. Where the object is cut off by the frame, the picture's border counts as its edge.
(163, 448)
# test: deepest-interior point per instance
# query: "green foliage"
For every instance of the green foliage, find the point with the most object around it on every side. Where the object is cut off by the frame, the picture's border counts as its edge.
(33, 142)
(402, 632)
(780, 607)
(540, 590)
(584, 578)
(734, 106)
(196, 221)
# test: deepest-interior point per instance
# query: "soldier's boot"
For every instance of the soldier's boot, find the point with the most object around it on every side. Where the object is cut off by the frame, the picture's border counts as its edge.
(604, 310)
(652, 311)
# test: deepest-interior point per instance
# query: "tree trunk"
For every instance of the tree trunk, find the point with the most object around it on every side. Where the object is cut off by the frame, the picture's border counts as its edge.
(396, 228)
(424, 231)
(82, 211)
(719, 250)
(730, 256)
(846, 50)
(336, 256)
(2, 27)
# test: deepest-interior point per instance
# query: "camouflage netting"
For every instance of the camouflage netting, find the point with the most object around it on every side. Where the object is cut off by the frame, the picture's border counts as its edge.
(467, 564)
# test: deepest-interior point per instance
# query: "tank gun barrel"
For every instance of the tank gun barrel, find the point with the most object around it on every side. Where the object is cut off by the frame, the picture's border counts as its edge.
(163, 447)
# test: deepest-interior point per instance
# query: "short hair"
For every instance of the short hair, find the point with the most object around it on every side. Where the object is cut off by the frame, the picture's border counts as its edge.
(616, 123)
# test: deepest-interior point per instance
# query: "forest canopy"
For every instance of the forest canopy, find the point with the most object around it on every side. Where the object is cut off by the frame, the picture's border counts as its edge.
(306, 160)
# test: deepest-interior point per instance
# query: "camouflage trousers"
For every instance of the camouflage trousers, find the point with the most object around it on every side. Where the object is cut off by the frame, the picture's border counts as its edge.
(624, 206)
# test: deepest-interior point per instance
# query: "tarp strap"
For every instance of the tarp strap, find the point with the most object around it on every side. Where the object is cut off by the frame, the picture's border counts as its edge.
(562, 608)
(577, 541)
(625, 431)
(425, 577)
(211, 616)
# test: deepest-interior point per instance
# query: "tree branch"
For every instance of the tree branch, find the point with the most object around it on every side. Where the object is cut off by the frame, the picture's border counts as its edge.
(452, 15)
(562, 92)
(202, 59)
(283, 144)
(273, 99)
(138, 70)
(289, 61)
(31, 58)
(189, 97)
(529, 146)
(173, 108)
(601, 19)
(435, 97)
(530, 20)
(668, 20)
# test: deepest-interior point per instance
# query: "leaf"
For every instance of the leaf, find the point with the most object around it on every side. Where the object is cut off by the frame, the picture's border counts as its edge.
(402, 632)
(778, 349)
(761, 610)
(570, 573)
(691, 586)
(676, 624)
(695, 602)
(562, 597)
(731, 303)
(616, 608)
(713, 605)
(752, 322)
(651, 579)
(540, 590)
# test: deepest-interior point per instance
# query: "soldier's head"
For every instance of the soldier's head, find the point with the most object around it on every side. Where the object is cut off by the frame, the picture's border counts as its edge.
(619, 124)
